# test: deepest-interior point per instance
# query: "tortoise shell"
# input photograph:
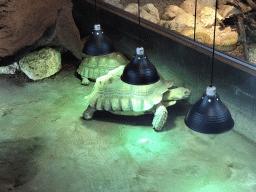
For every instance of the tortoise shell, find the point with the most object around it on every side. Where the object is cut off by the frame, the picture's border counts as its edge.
(95, 66)
(110, 93)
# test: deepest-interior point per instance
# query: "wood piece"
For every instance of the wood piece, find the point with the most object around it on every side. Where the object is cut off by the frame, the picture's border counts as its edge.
(243, 37)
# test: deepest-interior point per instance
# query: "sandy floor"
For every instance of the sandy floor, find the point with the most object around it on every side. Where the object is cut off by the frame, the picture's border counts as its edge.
(45, 146)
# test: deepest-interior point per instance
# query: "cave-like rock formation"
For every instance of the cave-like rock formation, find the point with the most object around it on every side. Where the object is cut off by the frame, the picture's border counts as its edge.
(28, 24)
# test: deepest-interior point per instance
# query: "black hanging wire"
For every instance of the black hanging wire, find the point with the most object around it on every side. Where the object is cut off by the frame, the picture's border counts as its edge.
(213, 48)
(195, 22)
(139, 22)
(215, 21)
(95, 12)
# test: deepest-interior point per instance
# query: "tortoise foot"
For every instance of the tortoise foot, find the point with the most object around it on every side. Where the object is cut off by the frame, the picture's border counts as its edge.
(88, 113)
(85, 81)
(160, 117)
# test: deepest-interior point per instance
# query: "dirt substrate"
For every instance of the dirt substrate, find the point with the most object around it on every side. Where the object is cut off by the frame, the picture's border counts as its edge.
(45, 146)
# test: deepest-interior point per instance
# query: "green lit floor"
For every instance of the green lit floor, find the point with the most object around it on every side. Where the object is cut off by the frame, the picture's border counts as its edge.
(45, 146)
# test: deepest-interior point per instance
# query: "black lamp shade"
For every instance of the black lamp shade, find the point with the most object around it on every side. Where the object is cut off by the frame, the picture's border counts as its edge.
(210, 116)
(140, 71)
(98, 44)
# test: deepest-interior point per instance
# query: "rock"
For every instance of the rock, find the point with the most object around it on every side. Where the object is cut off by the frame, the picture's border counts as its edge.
(208, 17)
(148, 12)
(152, 10)
(227, 10)
(10, 69)
(180, 23)
(145, 15)
(202, 35)
(115, 3)
(41, 64)
(207, 3)
(132, 8)
(189, 6)
(171, 12)
(225, 39)
(26, 25)
(252, 53)
(67, 34)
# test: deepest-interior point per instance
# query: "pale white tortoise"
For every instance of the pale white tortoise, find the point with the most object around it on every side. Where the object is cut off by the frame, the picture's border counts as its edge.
(93, 67)
(110, 93)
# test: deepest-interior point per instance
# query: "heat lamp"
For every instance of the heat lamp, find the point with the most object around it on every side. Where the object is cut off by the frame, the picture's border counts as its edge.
(140, 71)
(209, 115)
(98, 43)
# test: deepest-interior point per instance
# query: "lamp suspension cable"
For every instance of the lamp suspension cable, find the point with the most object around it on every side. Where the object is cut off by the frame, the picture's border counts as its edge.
(213, 48)
(95, 12)
(195, 22)
(139, 21)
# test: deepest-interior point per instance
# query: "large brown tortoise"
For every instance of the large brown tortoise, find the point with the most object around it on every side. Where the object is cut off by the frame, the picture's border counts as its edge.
(110, 93)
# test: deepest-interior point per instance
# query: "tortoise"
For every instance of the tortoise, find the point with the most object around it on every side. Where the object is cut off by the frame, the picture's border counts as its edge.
(93, 67)
(111, 94)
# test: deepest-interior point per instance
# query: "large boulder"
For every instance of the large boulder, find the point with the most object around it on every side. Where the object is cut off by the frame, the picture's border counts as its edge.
(132, 8)
(28, 24)
(189, 6)
(41, 64)
(208, 17)
(148, 12)
(171, 12)
(152, 10)
(180, 23)
(67, 34)
(227, 10)
(208, 3)
(225, 38)
(146, 15)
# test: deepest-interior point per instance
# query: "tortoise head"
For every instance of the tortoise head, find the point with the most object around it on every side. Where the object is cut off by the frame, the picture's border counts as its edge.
(176, 93)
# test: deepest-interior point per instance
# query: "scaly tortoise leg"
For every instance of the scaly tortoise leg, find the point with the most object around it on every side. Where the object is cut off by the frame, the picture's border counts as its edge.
(160, 117)
(88, 113)
(85, 81)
